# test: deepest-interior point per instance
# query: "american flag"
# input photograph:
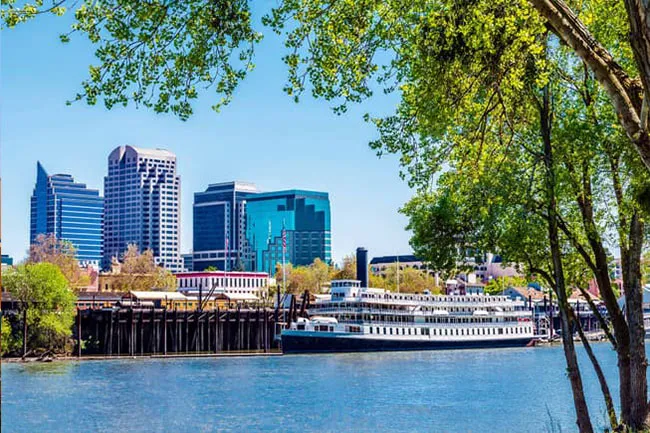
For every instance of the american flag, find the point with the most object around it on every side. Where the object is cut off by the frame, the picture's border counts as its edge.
(284, 239)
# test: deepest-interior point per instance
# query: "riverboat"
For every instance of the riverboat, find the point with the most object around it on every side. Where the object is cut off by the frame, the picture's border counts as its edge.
(356, 319)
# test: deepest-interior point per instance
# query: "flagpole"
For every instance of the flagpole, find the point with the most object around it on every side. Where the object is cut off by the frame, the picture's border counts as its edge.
(284, 268)
(225, 265)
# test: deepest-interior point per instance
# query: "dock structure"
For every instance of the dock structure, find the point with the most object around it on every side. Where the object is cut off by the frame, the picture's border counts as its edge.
(159, 331)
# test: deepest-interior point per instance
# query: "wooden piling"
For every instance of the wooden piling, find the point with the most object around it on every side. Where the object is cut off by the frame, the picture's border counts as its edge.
(216, 331)
(78, 333)
(150, 331)
(165, 332)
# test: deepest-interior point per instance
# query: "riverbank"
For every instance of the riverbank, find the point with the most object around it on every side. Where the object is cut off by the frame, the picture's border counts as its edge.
(237, 354)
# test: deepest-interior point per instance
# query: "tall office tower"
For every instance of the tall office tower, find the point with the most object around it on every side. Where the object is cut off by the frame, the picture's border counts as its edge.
(142, 205)
(304, 215)
(70, 211)
(220, 227)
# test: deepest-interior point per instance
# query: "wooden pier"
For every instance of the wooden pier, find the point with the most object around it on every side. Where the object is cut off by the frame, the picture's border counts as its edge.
(158, 331)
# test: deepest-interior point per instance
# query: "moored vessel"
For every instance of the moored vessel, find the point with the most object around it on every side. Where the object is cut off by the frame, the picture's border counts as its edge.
(357, 318)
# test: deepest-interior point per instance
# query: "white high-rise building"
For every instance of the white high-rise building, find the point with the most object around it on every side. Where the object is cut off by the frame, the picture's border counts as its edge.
(142, 205)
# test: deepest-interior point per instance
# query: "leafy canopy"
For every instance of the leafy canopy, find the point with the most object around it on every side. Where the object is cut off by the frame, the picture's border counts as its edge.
(158, 54)
(45, 293)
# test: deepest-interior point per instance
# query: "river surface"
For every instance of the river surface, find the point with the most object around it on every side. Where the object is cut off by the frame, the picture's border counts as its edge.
(501, 390)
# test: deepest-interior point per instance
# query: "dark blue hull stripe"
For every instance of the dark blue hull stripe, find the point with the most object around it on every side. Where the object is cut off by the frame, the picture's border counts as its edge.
(312, 344)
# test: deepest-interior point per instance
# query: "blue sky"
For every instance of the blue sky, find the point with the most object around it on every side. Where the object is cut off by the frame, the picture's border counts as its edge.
(261, 137)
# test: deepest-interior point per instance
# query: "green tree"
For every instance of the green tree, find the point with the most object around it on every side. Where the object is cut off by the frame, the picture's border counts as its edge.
(45, 296)
(11, 341)
(406, 279)
(496, 286)
(157, 54)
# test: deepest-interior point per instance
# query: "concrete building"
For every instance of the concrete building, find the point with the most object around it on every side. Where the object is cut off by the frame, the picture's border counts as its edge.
(494, 267)
(142, 205)
(244, 286)
(464, 284)
(304, 216)
(378, 265)
(70, 211)
(219, 224)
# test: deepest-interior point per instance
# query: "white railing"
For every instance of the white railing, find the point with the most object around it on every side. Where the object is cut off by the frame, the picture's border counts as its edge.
(440, 305)
(418, 313)
(435, 325)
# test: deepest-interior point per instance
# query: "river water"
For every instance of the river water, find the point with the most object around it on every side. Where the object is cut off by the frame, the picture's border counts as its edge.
(501, 390)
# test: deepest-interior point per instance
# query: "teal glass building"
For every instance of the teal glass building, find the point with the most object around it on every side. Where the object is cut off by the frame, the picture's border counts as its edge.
(70, 211)
(305, 215)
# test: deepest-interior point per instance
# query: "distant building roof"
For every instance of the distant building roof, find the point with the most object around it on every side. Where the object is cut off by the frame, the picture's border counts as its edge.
(394, 259)
(99, 296)
(475, 284)
(241, 296)
(576, 295)
(289, 193)
(156, 296)
(237, 185)
(231, 274)
(526, 292)
(119, 152)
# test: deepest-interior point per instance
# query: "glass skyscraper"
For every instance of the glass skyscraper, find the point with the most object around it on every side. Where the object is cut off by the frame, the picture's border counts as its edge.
(305, 215)
(220, 227)
(70, 211)
(142, 205)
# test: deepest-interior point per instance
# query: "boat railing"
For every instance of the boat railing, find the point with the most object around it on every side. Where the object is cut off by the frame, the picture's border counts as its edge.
(434, 325)
(441, 304)
(418, 313)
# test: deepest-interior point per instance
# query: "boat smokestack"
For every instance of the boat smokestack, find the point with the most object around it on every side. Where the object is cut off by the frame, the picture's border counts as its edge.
(362, 266)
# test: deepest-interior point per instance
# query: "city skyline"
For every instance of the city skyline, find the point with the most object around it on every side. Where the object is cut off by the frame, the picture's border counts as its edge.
(188, 245)
(262, 137)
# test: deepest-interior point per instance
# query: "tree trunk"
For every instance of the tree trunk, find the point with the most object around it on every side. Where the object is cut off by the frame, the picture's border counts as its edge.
(631, 264)
(625, 93)
(639, 37)
(573, 370)
(609, 404)
(601, 273)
